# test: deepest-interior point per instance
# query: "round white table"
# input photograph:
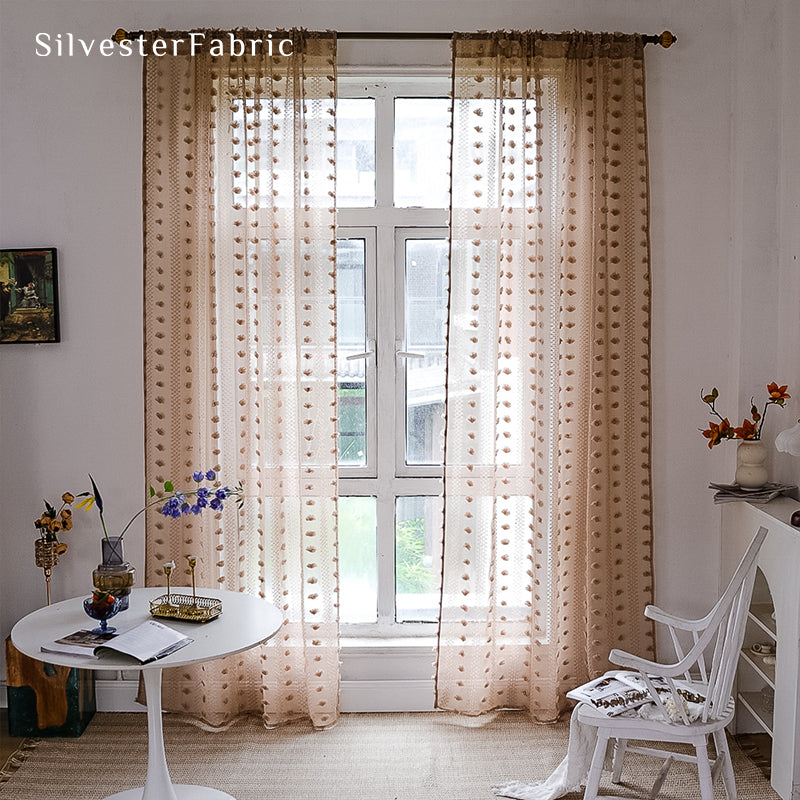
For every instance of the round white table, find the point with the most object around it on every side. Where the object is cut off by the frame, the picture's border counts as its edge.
(245, 622)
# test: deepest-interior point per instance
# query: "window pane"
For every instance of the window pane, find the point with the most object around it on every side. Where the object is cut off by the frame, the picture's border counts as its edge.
(421, 152)
(519, 186)
(351, 340)
(425, 315)
(358, 560)
(355, 152)
(418, 555)
(275, 187)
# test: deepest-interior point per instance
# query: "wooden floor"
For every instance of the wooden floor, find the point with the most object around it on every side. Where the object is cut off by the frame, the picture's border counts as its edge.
(8, 744)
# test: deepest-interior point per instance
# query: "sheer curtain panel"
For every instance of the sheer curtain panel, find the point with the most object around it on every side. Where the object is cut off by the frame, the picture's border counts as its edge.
(240, 338)
(547, 537)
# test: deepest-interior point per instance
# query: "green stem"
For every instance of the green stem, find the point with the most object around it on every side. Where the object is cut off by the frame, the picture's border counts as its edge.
(155, 502)
(138, 513)
(103, 523)
(152, 503)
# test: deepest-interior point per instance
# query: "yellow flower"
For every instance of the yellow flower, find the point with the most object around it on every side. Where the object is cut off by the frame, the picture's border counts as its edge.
(86, 503)
(52, 521)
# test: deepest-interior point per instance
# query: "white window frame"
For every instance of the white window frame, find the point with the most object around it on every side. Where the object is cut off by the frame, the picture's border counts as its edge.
(386, 476)
(369, 468)
(402, 235)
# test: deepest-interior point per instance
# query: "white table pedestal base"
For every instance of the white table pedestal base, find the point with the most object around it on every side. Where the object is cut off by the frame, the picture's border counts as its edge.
(158, 785)
(182, 792)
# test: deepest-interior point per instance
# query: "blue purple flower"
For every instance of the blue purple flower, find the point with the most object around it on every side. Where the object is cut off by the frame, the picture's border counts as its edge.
(181, 503)
(173, 503)
(172, 508)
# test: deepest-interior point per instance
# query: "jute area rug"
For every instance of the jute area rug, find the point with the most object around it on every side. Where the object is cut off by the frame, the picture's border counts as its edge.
(366, 756)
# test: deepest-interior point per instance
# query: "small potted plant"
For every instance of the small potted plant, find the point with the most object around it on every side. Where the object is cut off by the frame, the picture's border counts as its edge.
(750, 455)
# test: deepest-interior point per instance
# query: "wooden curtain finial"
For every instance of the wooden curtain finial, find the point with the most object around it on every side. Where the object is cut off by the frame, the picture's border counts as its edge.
(667, 39)
(122, 35)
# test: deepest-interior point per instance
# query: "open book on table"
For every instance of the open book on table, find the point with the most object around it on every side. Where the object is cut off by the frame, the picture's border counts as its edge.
(145, 642)
(618, 691)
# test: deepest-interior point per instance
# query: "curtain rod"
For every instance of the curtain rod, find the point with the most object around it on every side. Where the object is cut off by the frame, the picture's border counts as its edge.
(665, 39)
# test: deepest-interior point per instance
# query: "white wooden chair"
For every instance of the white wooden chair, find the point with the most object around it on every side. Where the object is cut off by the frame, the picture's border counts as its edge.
(723, 629)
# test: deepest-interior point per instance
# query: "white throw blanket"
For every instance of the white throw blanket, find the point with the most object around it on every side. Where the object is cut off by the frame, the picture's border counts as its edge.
(571, 774)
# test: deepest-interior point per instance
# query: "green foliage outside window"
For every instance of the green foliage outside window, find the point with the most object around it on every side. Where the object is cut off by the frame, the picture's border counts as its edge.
(413, 576)
(352, 425)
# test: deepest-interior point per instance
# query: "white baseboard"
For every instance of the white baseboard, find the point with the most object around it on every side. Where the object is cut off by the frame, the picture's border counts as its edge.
(357, 696)
(117, 695)
(111, 695)
(392, 695)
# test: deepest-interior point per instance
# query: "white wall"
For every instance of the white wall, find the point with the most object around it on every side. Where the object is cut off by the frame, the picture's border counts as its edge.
(765, 194)
(788, 255)
(724, 224)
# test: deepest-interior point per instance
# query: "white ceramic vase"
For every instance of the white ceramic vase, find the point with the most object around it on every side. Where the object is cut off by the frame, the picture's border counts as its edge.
(751, 459)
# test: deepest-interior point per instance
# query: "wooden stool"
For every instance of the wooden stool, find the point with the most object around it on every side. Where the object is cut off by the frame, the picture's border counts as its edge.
(45, 699)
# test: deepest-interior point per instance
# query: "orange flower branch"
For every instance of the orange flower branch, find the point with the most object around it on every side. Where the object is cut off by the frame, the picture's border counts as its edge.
(717, 432)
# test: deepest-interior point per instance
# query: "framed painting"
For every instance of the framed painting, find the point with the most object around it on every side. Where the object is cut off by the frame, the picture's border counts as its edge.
(28, 296)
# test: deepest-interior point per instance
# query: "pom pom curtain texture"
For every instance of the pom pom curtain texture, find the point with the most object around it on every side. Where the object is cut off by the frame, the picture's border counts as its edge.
(547, 525)
(547, 540)
(240, 336)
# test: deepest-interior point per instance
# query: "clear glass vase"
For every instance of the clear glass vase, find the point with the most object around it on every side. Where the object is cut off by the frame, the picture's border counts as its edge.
(114, 574)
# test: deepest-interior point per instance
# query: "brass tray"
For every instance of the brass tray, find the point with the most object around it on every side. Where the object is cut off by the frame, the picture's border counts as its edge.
(185, 607)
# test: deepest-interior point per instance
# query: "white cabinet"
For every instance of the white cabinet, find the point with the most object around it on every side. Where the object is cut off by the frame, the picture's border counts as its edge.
(755, 688)
(774, 619)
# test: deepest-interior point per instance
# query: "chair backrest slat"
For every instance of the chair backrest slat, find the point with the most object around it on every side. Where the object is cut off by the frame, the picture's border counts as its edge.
(735, 623)
(678, 647)
(701, 661)
(725, 630)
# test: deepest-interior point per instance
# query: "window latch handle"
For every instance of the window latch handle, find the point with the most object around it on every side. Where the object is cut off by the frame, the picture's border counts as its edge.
(370, 351)
(406, 354)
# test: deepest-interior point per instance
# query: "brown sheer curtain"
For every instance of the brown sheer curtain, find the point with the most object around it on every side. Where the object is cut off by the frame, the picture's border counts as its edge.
(547, 544)
(240, 354)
